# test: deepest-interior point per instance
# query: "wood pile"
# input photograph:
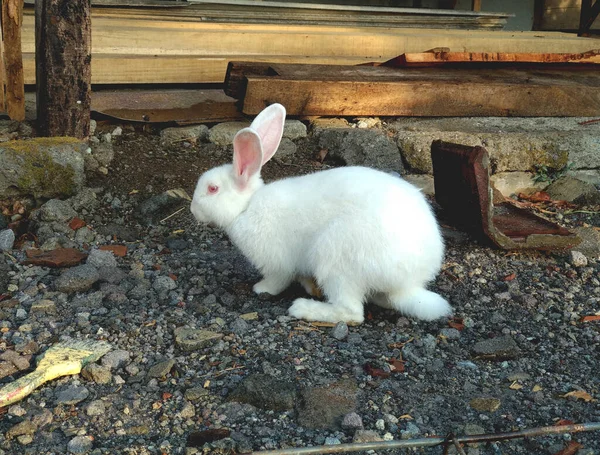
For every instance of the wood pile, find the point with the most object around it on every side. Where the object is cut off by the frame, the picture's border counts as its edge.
(498, 85)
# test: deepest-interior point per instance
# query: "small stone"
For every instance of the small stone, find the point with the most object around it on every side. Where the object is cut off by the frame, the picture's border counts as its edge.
(188, 411)
(339, 331)
(101, 258)
(176, 135)
(42, 418)
(26, 427)
(324, 407)
(7, 239)
(164, 284)
(450, 333)
(578, 259)
(96, 408)
(195, 393)
(193, 339)
(96, 373)
(17, 410)
(366, 436)
(266, 392)
(352, 421)
(25, 439)
(56, 210)
(223, 133)
(80, 445)
(21, 314)
(499, 348)
(330, 441)
(239, 326)
(410, 431)
(485, 404)
(43, 306)
(161, 369)
(77, 279)
(72, 395)
(471, 429)
(380, 424)
(116, 359)
(294, 129)
(19, 361)
(117, 131)
(467, 364)
(574, 190)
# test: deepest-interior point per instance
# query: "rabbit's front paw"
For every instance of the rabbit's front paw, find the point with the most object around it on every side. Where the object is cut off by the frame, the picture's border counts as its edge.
(271, 286)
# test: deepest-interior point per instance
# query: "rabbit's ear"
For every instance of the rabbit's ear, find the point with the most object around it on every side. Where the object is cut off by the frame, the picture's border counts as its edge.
(247, 156)
(269, 126)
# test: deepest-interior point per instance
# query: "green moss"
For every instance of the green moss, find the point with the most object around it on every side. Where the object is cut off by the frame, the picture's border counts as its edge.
(40, 174)
(550, 157)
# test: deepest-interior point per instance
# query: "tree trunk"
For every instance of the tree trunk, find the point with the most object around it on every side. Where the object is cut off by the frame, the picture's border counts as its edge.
(12, 19)
(63, 67)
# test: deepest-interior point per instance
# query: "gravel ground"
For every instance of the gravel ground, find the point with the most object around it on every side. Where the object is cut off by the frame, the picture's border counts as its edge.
(197, 357)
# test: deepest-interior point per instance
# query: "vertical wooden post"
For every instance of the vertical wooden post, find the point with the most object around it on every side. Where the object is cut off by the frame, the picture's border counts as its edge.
(63, 67)
(12, 19)
(476, 5)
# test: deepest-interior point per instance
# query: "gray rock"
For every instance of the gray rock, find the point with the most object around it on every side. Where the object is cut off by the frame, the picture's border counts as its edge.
(590, 242)
(113, 275)
(155, 208)
(161, 369)
(101, 258)
(339, 331)
(499, 348)
(429, 344)
(21, 314)
(352, 421)
(96, 373)
(177, 135)
(188, 339)
(410, 431)
(450, 333)
(77, 279)
(578, 259)
(96, 408)
(239, 326)
(42, 167)
(266, 392)
(223, 133)
(286, 151)
(72, 395)
(80, 445)
(509, 183)
(195, 393)
(361, 147)
(103, 153)
(7, 240)
(324, 407)
(573, 190)
(164, 283)
(84, 199)
(116, 359)
(122, 232)
(3, 222)
(294, 129)
(26, 427)
(56, 210)
(422, 181)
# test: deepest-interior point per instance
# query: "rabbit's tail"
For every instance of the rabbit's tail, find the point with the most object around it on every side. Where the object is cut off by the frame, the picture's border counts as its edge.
(420, 303)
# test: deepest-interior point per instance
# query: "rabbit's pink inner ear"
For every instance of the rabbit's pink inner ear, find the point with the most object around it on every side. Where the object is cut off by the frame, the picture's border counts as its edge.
(269, 126)
(247, 156)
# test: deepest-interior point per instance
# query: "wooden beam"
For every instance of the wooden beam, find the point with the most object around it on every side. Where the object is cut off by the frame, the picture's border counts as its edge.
(476, 5)
(63, 70)
(589, 13)
(12, 20)
(307, 90)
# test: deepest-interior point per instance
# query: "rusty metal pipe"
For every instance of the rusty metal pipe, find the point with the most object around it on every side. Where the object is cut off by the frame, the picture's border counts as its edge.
(431, 442)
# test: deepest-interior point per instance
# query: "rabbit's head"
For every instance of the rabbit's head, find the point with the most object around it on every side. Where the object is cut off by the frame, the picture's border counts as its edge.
(224, 192)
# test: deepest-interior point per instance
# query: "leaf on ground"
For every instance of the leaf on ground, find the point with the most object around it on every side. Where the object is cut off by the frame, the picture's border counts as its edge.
(571, 449)
(375, 372)
(322, 155)
(591, 318)
(515, 386)
(579, 395)
(539, 196)
(564, 422)
(510, 277)
(456, 323)
(396, 365)
(405, 417)
(536, 388)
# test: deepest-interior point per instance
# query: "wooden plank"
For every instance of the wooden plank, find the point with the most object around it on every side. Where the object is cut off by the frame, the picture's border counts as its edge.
(2, 74)
(12, 20)
(440, 58)
(426, 92)
(63, 54)
(476, 5)
(157, 50)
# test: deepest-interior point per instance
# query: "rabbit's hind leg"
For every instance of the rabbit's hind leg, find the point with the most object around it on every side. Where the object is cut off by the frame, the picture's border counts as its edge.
(343, 304)
(272, 284)
(420, 303)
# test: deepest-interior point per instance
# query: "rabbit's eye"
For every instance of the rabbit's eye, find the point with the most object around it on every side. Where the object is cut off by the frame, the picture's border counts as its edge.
(212, 189)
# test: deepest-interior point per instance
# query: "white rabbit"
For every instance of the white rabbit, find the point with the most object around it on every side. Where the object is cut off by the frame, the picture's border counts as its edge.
(361, 233)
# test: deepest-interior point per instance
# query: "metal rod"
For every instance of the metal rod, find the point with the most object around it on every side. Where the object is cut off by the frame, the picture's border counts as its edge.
(457, 446)
(431, 442)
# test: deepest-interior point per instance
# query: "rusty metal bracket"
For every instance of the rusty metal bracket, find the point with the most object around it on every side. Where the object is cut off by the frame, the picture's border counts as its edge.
(462, 188)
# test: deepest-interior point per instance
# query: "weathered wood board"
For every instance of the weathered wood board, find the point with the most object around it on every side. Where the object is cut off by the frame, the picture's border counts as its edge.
(307, 90)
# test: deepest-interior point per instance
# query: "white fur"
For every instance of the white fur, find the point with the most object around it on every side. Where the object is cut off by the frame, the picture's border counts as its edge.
(361, 233)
